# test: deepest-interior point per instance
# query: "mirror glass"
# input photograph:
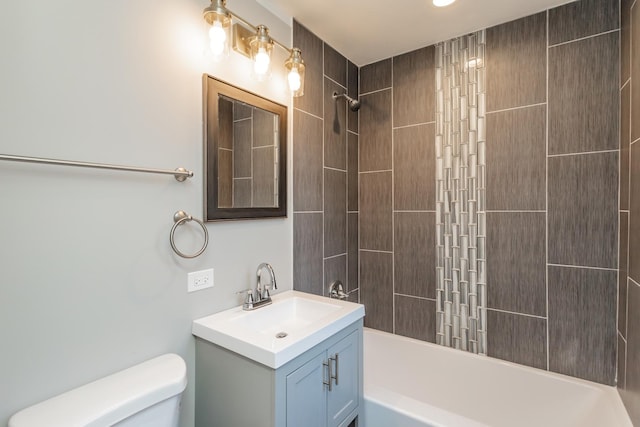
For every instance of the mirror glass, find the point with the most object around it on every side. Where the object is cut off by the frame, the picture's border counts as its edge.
(245, 149)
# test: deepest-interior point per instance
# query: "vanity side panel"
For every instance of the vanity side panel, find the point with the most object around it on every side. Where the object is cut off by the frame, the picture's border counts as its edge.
(232, 390)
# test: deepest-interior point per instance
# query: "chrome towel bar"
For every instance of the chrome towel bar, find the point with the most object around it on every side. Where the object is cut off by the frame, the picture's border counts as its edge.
(180, 174)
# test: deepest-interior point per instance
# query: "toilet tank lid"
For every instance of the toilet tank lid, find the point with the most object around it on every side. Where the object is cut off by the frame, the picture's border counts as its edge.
(110, 399)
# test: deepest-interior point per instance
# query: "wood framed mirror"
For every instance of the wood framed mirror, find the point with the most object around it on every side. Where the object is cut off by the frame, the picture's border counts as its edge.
(245, 154)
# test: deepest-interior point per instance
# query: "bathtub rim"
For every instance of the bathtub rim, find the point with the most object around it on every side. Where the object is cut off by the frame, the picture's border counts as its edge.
(372, 392)
(495, 361)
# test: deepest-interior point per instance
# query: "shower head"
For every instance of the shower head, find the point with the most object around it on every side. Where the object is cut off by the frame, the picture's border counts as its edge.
(354, 104)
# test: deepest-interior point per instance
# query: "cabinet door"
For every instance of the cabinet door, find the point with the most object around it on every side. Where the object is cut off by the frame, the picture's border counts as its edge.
(344, 395)
(306, 395)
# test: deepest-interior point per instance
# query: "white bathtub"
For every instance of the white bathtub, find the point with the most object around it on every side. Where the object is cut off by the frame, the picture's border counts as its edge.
(410, 383)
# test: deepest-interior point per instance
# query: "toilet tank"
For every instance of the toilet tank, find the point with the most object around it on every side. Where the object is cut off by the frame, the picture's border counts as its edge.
(147, 394)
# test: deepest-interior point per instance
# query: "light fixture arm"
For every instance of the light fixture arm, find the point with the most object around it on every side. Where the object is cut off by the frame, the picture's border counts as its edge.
(254, 28)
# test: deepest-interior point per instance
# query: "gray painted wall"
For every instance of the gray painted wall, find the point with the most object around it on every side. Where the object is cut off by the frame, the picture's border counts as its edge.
(88, 282)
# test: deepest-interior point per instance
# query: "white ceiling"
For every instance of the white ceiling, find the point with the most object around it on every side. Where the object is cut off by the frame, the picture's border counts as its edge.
(366, 31)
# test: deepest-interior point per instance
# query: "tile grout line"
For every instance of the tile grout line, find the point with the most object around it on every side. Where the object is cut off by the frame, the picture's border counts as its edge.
(546, 225)
(515, 211)
(380, 171)
(584, 38)
(346, 182)
(307, 212)
(585, 267)
(335, 169)
(516, 108)
(627, 277)
(310, 114)
(413, 125)
(414, 296)
(334, 256)
(339, 84)
(243, 119)
(516, 313)
(583, 153)
(376, 91)
(625, 83)
(393, 217)
(623, 338)
(324, 243)
(376, 251)
(359, 192)
(615, 376)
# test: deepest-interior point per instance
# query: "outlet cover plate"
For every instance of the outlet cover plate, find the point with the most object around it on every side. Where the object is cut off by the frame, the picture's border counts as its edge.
(199, 280)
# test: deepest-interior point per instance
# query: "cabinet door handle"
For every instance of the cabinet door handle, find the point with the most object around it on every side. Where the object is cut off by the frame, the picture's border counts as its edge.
(329, 375)
(336, 361)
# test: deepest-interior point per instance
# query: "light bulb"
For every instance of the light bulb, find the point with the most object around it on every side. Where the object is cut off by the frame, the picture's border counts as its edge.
(261, 62)
(217, 38)
(217, 33)
(217, 48)
(442, 3)
(294, 80)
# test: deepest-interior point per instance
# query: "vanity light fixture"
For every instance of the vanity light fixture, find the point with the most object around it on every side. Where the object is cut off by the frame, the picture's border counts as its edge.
(295, 75)
(442, 3)
(256, 44)
(261, 47)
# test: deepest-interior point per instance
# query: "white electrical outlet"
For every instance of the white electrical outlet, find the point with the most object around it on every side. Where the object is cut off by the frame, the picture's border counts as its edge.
(199, 280)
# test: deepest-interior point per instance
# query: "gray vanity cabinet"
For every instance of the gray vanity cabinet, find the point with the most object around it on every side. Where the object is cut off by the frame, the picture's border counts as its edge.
(233, 391)
(311, 402)
(306, 395)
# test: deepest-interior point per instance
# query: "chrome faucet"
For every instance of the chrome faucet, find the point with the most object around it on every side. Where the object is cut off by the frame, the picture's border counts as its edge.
(260, 296)
(260, 292)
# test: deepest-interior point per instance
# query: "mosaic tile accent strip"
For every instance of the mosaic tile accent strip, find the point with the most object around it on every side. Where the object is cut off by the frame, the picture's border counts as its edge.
(461, 315)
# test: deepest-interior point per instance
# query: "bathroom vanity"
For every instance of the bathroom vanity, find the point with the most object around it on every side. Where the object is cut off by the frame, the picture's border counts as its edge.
(312, 377)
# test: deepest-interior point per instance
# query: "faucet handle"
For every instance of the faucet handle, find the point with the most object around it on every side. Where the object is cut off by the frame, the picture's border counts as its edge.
(336, 290)
(248, 299)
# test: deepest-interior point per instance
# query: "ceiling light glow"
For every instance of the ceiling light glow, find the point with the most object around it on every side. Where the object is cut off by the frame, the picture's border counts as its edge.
(442, 3)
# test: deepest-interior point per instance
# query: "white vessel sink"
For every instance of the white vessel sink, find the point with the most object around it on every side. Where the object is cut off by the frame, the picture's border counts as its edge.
(306, 320)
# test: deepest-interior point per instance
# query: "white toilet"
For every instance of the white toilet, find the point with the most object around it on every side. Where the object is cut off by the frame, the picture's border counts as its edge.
(145, 395)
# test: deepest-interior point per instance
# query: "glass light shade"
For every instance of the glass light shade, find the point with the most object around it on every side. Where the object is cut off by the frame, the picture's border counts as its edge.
(220, 31)
(295, 72)
(219, 36)
(261, 49)
(442, 3)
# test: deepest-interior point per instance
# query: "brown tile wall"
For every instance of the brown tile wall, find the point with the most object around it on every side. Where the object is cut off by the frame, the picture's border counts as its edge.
(552, 190)
(397, 193)
(629, 247)
(325, 171)
(552, 184)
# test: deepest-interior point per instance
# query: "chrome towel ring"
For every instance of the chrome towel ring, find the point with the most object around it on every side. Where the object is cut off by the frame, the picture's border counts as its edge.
(181, 217)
